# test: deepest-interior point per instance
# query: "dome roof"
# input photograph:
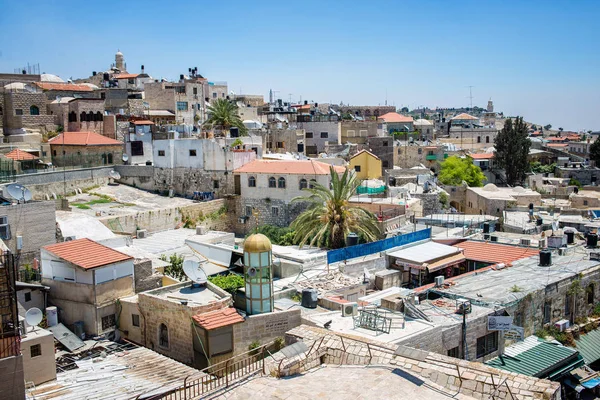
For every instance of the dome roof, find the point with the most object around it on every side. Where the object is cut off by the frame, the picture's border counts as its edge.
(518, 189)
(257, 243)
(15, 86)
(490, 187)
(119, 53)
(63, 100)
(51, 78)
(91, 85)
(422, 122)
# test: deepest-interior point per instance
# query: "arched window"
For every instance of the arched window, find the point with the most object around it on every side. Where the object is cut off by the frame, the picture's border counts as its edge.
(303, 184)
(312, 183)
(251, 181)
(163, 336)
(99, 116)
(110, 158)
(103, 158)
(478, 139)
(90, 116)
(34, 110)
(1, 111)
(281, 183)
(272, 182)
(487, 139)
(590, 293)
(82, 117)
(72, 116)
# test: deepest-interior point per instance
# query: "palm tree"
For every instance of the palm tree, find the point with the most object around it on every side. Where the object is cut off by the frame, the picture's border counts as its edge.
(223, 114)
(330, 216)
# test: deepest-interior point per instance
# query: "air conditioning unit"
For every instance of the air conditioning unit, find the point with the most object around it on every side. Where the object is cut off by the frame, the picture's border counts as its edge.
(525, 242)
(562, 325)
(439, 280)
(201, 230)
(69, 238)
(350, 310)
(141, 233)
(542, 244)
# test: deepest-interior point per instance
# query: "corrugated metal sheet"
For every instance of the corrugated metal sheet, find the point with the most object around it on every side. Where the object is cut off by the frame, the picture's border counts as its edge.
(589, 346)
(66, 337)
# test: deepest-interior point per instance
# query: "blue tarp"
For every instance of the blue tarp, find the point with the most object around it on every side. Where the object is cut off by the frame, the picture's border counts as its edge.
(362, 250)
(592, 383)
(596, 213)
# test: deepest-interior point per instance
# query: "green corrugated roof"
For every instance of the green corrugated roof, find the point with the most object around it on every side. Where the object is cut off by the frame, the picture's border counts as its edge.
(589, 346)
(540, 361)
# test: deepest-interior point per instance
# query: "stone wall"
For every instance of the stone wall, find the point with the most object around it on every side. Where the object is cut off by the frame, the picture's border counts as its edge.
(14, 101)
(285, 215)
(82, 156)
(87, 106)
(145, 279)
(264, 328)
(430, 202)
(12, 378)
(385, 149)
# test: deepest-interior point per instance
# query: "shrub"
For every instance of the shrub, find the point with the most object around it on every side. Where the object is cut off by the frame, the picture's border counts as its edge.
(230, 283)
(596, 311)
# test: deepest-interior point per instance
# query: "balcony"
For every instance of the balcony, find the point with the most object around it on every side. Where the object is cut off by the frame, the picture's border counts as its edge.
(431, 157)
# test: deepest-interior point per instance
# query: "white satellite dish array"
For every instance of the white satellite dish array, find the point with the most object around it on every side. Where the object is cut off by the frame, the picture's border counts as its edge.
(18, 192)
(194, 271)
(33, 317)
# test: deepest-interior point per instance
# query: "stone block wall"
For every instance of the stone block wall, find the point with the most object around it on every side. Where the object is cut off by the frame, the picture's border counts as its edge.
(430, 202)
(285, 215)
(264, 328)
(12, 378)
(145, 279)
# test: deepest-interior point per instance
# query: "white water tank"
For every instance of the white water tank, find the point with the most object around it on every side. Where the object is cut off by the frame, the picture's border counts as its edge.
(52, 316)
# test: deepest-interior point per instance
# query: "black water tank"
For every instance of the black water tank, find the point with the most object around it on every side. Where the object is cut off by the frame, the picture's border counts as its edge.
(105, 77)
(309, 298)
(486, 227)
(539, 222)
(592, 240)
(576, 190)
(570, 237)
(234, 131)
(352, 239)
(545, 258)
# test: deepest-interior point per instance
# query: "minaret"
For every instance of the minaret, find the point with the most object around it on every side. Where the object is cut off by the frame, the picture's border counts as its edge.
(490, 106)
(258, 274)
(120, 61)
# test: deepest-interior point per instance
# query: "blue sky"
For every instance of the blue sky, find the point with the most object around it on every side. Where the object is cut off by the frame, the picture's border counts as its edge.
(539, 59)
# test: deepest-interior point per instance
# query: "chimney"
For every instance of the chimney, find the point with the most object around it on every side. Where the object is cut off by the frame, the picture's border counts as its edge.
(142, 68)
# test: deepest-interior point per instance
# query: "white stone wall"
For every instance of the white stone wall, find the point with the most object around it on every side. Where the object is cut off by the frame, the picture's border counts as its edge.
(291, 190)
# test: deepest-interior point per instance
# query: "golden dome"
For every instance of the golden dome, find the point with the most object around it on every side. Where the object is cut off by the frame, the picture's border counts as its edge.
(257, 243)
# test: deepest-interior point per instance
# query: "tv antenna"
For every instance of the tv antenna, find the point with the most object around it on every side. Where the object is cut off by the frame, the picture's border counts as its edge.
(194, 272)
(18, 192)
(471, 95)
(33, 317)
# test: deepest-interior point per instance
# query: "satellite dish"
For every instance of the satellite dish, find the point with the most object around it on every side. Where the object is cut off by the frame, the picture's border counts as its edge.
(114, 174)
(125, 157)
(194, 271)
(33, 316)
(18, 192)
(251, 271)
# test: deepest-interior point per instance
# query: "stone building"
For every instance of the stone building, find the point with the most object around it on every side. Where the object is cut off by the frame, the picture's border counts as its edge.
(425, 128)
(397, 123)
(85, 280)
(252, 100)
(358, 131)
(85, 148)
(365, 112)
(318, 134)
(267, 187)
(412, 154)
(185, 98)
(282, 140)
(53, 90)
(217, 90)
(79, 114)
(386, 149)
(493, 200)
(22, 111)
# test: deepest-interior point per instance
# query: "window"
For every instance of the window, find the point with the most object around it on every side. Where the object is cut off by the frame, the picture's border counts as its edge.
(54, 153)
(281, 183)
(303, 184)
(487, 139)
(27, 297)
(487, 344)
(430, 153)
(192, 152)
(195, 90)
(214, 95)
(90, 116)
(478, 139)
(220, 341)
(163, 336)
(251, 181)
(137, 148)
(280, 145)
(248, 211)
(182, 106)
(590, 293)
(420, 151)
(547, 312)
(312, 184)
(135, 320)
(161, 153)
(399, 150)
(18, 111)
(272, 182)
(108, 321)
(4, 228)
(275, 211)
(585, 202)
(215, 184)
(385, 143)
(309, 135)
(384, 164)
(349, 133)
(110, 158)
(364, 133)
(567, 305)
(453, 352)
(34, 110)
(36, 350)
(357, 168)
(99, 116)
(72, 116)
(82, 117)
(324, 135)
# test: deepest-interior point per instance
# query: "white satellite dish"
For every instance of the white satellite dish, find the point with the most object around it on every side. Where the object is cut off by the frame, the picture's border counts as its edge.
(194, 271)
(114, 174)
(18, 192)
(125, 157)
(33, 316)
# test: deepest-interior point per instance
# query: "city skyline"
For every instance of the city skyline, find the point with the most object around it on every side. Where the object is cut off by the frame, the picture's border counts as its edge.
(536, 59)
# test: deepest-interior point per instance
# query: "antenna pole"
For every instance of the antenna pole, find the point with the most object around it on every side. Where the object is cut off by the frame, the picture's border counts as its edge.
(471, 96)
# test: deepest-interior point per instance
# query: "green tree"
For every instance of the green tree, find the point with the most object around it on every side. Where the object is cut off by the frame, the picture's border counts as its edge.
(595, 152)
(230, 283)
(175, 269)
(404, 109)
(455, 170)
(223, 114)
(547, 127)
(330, 216)
(512, 148)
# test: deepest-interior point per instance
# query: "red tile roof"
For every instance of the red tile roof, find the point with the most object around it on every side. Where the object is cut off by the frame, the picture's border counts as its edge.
(494, 253)
(482, 156)
(395, 117)
(557, 145)
(20, 155)
(83, 139)
(282, 167)
(218, 319)
(143, 122)
(67, 87)
(126, 76)
(557, 139)
(86, 253)
(462, 117)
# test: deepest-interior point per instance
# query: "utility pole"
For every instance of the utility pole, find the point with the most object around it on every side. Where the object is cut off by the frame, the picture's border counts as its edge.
(471, 96)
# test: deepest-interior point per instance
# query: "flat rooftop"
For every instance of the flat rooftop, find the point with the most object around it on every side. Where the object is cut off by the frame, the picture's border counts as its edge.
(184, 291)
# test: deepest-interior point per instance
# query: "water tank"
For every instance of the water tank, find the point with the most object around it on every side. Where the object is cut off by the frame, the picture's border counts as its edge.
(352, 239)
(545, 258)
(576, 190)
(234, 131)
(52, 316)
(592, 240)
(486, 227)
(570, 237)
(309, 298)
(78, 329)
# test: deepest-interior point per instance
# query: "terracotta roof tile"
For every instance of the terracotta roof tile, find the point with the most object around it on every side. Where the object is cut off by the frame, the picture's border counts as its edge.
(557, 145)
(67, 87)
(283, 167)
(462, 117)
(126, 76)
(494, 253)
(86, 253)
(143, 122)
(395, 117)
(482, 156)
(83, 139)
(557, 139)
(20, 155)
(218, 319)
